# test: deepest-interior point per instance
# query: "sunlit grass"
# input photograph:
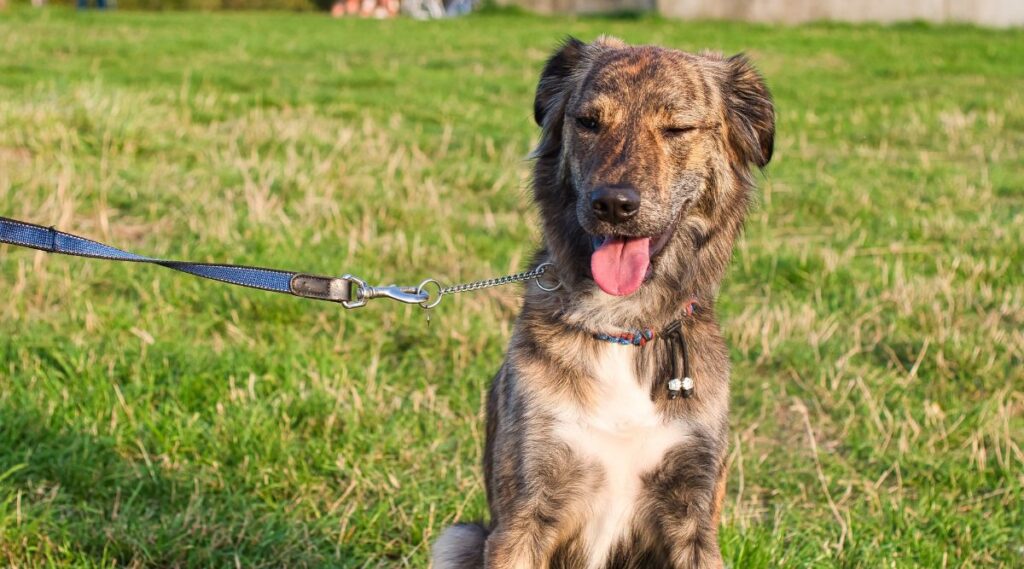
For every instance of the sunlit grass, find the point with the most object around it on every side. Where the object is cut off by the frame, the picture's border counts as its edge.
(875, 308)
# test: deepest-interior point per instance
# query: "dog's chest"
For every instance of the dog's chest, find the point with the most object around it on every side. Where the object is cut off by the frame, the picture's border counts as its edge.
(623, 435)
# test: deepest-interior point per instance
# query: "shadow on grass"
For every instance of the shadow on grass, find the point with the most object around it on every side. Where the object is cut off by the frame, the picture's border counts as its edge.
(86, 500)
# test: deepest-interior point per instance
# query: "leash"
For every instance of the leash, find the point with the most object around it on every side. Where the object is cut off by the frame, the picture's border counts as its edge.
(348, 290)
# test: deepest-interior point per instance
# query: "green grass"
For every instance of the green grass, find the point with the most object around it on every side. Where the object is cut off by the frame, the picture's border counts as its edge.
(875, 306)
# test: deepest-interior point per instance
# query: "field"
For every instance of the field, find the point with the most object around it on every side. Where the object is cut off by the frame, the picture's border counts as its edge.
(874, 309)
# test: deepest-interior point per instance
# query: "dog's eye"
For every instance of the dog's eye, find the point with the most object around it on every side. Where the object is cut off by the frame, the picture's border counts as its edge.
(671, 131)
(589, 123)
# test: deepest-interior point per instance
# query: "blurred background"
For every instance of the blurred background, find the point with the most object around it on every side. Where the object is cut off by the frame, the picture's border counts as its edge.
(998, 13)
(874, 308)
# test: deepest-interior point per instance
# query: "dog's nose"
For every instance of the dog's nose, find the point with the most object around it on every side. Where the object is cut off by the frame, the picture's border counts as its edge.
(615, 204)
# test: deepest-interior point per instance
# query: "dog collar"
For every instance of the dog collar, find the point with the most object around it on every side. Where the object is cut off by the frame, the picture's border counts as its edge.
(679, 383)
(638, 337)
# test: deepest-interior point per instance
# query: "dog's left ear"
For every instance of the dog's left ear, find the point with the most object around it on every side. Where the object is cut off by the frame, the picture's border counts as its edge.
(750, 112)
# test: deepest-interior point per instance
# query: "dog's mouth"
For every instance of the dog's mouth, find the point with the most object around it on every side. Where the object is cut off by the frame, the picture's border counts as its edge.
(620, 264)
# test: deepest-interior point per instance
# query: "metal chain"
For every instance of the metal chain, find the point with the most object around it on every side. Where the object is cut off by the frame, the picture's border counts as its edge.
(488, 283)
(429, 293)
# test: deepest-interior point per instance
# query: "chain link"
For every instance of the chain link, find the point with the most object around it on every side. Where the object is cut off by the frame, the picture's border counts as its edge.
(429, 293)
(488, 283)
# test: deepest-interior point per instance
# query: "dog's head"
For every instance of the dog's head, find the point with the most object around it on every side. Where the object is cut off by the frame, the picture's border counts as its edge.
(636, 142)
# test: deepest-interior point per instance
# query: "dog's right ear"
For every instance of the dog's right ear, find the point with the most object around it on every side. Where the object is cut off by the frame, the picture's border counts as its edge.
(553, 94)
(554, 80)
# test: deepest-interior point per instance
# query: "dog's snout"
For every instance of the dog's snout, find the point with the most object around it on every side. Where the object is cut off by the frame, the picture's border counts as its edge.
(615, 204)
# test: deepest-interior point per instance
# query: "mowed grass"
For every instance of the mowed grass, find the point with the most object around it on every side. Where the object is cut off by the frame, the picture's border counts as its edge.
(874, 309)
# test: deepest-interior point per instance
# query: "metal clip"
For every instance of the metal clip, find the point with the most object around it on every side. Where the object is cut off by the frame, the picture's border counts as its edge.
(363, 292)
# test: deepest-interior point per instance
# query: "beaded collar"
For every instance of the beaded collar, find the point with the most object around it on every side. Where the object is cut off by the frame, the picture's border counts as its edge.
(635, 338)
(640, 336)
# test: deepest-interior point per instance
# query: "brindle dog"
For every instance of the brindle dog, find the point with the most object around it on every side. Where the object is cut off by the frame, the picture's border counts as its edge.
(643, 178)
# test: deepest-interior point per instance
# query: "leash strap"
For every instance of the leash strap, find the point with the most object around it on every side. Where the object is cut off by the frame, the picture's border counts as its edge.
(48, 239)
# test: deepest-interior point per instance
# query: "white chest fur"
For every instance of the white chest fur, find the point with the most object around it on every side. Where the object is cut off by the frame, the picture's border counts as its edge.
(622, 434)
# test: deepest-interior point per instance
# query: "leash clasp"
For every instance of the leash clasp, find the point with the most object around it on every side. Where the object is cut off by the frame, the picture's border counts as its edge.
(362, 292)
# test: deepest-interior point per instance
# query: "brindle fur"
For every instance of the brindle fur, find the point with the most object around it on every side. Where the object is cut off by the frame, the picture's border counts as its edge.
(696, 178)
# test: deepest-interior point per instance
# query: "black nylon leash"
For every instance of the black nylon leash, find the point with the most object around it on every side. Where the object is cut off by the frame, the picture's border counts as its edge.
(304, 285)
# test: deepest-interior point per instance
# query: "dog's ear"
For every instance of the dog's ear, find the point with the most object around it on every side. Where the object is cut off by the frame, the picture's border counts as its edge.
(553, 93)
(554, 80)
(749, 112)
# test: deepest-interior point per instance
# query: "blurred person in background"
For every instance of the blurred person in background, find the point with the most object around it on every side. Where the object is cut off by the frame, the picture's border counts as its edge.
(365, 8)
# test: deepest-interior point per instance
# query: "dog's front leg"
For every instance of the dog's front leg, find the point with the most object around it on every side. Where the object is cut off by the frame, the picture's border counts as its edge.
(688, 493)
(538, 506)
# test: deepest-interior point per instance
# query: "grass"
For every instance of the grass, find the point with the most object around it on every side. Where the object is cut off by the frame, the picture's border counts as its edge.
(875, 307)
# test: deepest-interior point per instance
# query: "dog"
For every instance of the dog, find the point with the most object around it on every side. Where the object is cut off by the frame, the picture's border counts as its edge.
(598, 454)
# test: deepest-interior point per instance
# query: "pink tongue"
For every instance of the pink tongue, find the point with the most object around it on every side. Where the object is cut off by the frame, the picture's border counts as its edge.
(620, 264)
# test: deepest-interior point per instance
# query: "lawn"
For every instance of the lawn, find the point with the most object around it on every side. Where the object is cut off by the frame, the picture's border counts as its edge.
(874, 308)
